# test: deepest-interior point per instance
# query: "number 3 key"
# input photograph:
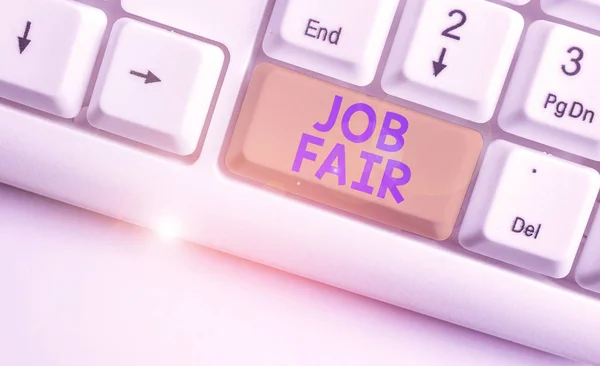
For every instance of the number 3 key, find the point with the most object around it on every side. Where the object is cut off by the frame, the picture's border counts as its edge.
(453, 56)
(553, 95)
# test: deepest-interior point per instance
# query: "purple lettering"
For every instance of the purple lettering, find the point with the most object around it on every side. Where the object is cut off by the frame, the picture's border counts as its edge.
(388, 182)
(395, 133)
(370, 160)
(337, 153)
(333, 115)
(303, 153)
(372, 122)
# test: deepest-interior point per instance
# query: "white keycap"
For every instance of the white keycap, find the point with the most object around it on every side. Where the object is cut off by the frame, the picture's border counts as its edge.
(583, 12)
(48, 50)
(587, 270)
(339, 38)
(553, 94)
(516, 2)
(453, 56)
(529, 209)
(155, 87)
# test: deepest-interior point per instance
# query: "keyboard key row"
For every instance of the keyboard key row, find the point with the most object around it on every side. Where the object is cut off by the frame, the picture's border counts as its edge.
(454, 57)
(437, 47)
(154, 86)
(446, 54)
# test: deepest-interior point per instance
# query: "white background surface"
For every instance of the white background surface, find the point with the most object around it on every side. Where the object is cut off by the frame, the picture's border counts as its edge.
(80, 289)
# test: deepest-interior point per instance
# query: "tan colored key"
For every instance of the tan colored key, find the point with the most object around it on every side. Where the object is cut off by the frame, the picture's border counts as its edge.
(357, 153)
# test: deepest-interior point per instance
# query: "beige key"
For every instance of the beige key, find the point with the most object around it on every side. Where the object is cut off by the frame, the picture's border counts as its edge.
(359, 154)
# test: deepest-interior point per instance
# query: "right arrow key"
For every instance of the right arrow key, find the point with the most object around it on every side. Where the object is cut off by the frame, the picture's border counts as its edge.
(155, 87)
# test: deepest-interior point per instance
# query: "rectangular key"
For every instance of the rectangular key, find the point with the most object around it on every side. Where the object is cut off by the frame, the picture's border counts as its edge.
(453, 56)
(167, 80)
(553, 95)
(338, 38)
(583, 12)
(357, 153)
(48, 50)
(529, 209)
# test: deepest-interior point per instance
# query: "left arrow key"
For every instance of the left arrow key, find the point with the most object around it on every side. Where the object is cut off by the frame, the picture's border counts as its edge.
(24, 41)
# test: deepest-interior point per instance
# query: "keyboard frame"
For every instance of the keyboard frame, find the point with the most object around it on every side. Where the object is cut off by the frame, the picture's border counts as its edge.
(82, 166)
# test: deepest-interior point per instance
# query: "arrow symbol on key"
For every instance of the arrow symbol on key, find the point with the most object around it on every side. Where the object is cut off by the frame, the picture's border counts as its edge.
(149, 77)
(24, 41)
(439, 66)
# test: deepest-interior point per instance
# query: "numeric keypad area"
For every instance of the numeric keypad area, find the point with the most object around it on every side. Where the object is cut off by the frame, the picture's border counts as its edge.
(453, 56)
(553, 95)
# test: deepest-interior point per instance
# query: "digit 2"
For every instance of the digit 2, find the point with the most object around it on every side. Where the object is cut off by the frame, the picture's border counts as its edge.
(463, 20)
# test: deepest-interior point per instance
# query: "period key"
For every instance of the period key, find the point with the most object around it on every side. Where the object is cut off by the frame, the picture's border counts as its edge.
(344, 149)
(529, 209)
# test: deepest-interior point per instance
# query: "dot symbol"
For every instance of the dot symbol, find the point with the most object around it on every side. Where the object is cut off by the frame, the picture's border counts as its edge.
(534, 171)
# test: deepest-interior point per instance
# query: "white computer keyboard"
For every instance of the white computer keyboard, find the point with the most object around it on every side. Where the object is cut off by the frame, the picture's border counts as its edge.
(439, 155)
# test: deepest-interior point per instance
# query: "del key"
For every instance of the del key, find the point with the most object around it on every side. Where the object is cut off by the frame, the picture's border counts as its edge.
(529, 209)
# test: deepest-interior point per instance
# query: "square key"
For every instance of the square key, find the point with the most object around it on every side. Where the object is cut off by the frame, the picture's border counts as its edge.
(48, 52)
(529, 209)
(338, 38)
(553, 95)
(453, 56)
(155, 87)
